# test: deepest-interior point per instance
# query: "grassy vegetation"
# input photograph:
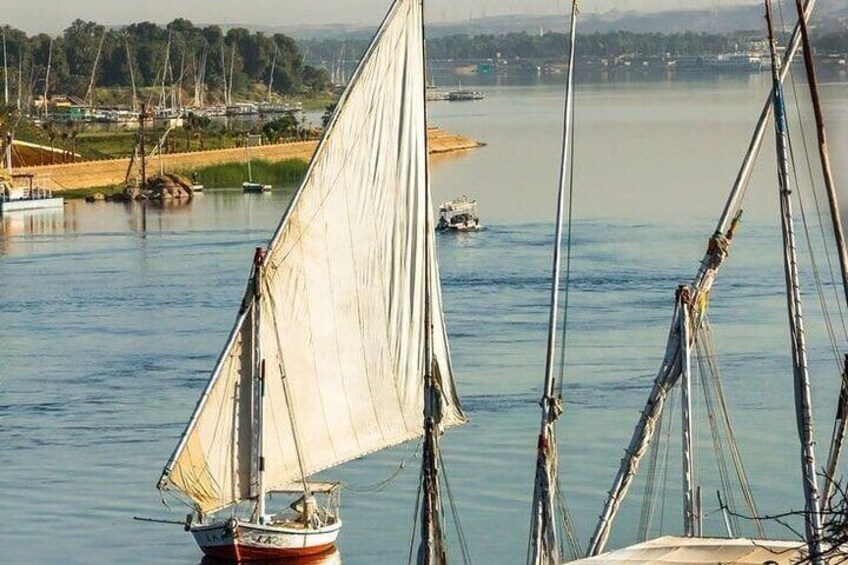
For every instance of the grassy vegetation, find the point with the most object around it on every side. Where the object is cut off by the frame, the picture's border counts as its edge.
(229, 175)
(79, 193)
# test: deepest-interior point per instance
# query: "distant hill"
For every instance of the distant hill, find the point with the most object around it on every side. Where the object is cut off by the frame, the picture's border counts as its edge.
(831, 15)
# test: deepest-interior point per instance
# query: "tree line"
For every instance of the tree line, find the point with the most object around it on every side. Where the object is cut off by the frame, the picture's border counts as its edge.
(552, 46)
(200, 61)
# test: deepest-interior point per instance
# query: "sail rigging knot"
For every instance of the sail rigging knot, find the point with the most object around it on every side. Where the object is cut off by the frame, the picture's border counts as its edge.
(717, 249)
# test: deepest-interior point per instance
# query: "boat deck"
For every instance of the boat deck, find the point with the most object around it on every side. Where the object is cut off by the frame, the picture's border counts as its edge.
(695, 551)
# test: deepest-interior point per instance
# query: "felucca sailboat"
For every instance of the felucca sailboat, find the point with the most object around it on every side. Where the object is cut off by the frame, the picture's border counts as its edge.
(690, 338)
(339, 345)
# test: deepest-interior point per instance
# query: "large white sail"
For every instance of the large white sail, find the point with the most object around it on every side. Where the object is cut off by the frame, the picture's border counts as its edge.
(213, 462)
(343, 286)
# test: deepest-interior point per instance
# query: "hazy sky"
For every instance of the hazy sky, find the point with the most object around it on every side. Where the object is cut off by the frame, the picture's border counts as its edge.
(54, 15)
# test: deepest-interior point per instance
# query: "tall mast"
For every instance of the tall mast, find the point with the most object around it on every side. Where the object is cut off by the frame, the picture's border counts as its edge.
(432, 550)
(544, 544)
(47, 74)
(271, 80)
(90, 93)
(803, 403)
(838, 233)
(163, 96)
(20, 75)
(689, 514)
(258, 390)
(669, 372)
(132, 73)
(5, 72)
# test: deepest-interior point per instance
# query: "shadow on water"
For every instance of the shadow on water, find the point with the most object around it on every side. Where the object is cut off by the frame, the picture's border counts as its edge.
(330, 557)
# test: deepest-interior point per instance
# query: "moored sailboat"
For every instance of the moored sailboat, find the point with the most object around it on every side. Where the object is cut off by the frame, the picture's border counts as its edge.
(340, 344)
(687, 336)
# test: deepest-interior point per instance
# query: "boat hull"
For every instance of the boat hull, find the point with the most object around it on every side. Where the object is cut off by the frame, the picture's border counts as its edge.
(30, 204)
(255, 187)
(253, 542)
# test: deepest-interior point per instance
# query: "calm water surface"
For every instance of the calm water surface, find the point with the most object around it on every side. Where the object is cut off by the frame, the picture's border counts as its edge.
(112, 317)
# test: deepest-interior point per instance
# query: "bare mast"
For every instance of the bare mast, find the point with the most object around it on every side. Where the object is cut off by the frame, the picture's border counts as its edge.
(669, 372)
(544, 539)
(432, 549)
(132, 74)
(841, 423)
(803, 402)
(5, 72)
(89, 95)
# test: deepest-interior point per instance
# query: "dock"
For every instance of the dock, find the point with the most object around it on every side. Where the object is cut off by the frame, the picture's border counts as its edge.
(111, 172)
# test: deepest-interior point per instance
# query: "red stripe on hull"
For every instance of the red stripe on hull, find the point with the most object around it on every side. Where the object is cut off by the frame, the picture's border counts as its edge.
(237, 552)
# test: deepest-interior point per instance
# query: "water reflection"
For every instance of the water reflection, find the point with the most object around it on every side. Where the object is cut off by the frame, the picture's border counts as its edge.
(330, 557)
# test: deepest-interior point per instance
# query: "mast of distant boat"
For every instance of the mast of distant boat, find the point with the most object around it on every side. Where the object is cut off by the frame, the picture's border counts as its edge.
(89, 95)
(132, 74)
(544, 543)
(271, 79)
(5, 73)
(47, 75)
(803, 402)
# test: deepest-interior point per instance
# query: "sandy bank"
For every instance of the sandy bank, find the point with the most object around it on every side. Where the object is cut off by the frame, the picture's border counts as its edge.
(90, 174)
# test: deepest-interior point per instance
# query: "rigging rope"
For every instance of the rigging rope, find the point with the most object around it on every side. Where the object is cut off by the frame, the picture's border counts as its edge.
(733, 445)
(649, 493)
(813, 262)
(463, 542)
(721, 460)
(380, 486)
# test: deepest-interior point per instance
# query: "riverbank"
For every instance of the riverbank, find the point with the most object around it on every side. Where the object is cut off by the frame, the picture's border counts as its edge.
(78, 179)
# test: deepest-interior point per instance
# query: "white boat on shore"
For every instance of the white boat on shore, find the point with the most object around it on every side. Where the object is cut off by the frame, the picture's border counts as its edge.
(30, 197)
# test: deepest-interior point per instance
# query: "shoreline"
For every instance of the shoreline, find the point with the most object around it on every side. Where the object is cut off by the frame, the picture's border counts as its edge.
(87, 176)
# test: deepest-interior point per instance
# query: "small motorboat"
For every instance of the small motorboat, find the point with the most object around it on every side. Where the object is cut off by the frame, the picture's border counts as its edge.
(459, 215)
(255, 187)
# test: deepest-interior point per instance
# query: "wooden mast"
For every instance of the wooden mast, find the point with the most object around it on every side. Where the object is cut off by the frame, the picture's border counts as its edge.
(543, 548)
(838, 233)
(258, 383)
(803, 403)
(432, 549)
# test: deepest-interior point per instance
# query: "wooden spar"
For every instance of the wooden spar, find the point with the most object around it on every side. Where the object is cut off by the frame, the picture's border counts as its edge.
(47, 74)
(432, 548)
(803, 402)
(734, 200)
(5, 73)
(271, 79)
(838, 231)
(258, 385)
(668, 373)
(20, 75)
(689, 528)
(89, 95)
(163, 96)
(543, 548)
(132, 74)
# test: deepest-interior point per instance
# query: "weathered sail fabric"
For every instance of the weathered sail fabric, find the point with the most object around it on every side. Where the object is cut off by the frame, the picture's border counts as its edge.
(344, 282)
(212, 465)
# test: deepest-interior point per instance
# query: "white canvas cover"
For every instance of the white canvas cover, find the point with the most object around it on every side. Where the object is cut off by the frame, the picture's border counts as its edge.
(671, 550)
(343, 287)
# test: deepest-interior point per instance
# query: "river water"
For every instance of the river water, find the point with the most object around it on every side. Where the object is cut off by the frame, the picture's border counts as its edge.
(112, 317)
